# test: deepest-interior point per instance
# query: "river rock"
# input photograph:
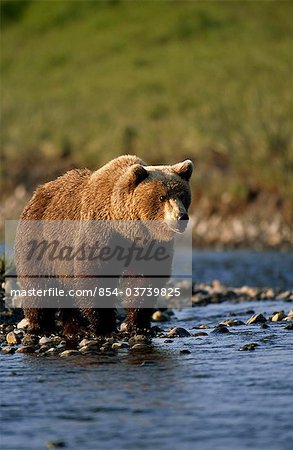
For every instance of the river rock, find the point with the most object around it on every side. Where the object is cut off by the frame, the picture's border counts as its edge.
(141, 347)
(119, 345)
(232, 323)
(24, 323)
(160, 316)
(45, 341)
(185, 351)
(30, 339)
(67, 353)
(200, 333)
(256, 318)
(138, 339)
(13, 338)
(178, 332)
(27, 349)
(51, 351)
(278, 316)
(249, 347)
(220, 329)
(55, 444)
(289, 327)
(43, 349)
(8, 350)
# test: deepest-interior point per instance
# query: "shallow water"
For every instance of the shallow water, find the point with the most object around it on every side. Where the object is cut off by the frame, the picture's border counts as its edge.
(216, 397)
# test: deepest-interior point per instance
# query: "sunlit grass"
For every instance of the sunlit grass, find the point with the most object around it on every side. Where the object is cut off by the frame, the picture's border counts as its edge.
(165, 80)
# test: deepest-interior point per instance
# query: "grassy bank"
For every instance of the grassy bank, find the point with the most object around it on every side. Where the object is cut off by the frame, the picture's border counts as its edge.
(83, 82)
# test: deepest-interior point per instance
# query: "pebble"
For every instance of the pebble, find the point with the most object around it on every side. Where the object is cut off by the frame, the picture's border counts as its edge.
(185, 352)
(69, 353)
(119, 345)
(160, 316)
(278, 316)
(89, 349)
(232, 323)
(256, 318)
(178, 332)
(51, 351)
(8, 350)
(45, 340)
(24, 323)
(221, 329)
(248, 347)
(30, 339)
(55, 444)
(13, 338)
(89, 344)
(138, 339)
(141, 347)
(26, 349)
(168, 341)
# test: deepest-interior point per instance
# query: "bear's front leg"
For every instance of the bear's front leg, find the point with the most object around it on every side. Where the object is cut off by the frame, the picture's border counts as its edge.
(42, 320)
(102, 320)
(139, 320)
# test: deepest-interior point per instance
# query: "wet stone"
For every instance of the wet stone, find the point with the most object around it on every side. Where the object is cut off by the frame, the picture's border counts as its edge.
(13, 338)
(221, 329)
(120, 345)
(256, 318)
(289, 327)
(185, 352)
(8, 350)
(55, 444)
(278, 316)
(45, 340)
(88, 343)
(30, 339)
(51, 351)
(89, 348)
(27, 349)
(24, 323)
(138, 339)
(67, 353)
(160, 316)
(141, 347)
(168, 341)
(43, 349)
(232, 323)
(200, 333)
(178, 332)
(249, 347)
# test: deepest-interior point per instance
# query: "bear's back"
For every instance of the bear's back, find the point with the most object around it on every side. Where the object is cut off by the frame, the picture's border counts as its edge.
(59, 199)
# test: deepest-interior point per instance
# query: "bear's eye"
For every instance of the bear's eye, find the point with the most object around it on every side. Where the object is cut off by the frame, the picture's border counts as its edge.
(162, 198)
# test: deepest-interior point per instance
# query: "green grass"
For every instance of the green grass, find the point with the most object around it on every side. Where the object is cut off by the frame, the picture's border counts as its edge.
(86, 81)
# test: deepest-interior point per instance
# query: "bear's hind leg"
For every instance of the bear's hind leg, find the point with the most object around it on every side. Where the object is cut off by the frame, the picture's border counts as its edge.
(102, 320)
(72, 323)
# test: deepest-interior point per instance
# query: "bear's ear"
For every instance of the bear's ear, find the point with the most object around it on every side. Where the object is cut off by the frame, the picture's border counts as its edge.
(137, 173)
(184, 169)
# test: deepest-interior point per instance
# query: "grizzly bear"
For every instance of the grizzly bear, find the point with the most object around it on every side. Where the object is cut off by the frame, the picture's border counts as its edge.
(125, 190)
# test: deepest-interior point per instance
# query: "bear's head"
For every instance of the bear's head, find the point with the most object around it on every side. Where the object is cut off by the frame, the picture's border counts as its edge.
(157, 195)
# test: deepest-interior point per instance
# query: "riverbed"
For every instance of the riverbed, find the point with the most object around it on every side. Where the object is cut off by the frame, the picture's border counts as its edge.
(195, 392)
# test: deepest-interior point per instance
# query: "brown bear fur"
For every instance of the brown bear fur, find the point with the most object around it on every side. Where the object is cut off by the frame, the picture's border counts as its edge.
(125, 189)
